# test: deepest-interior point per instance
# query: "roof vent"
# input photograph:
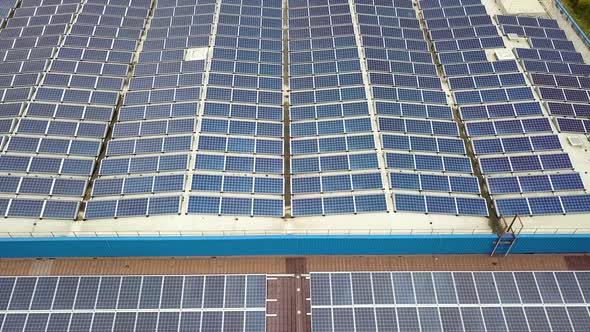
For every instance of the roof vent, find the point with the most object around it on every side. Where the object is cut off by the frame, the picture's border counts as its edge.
(513, 36)
(575, 141)
(197, 53)
(504, 54)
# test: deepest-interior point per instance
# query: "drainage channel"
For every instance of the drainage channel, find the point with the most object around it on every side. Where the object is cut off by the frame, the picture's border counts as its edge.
(286, 115)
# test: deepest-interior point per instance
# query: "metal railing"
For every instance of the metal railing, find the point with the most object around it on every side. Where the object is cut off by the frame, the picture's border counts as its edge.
(324, 232)
(573, 22)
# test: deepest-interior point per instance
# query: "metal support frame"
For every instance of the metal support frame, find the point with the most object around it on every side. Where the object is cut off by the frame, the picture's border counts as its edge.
(507, 236)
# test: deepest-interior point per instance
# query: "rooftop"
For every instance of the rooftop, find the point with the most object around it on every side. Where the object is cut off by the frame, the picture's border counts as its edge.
(486, 122)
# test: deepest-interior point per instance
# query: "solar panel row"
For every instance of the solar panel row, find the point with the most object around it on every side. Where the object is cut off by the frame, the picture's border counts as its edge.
(549, 55)
(333, 163)
(543, 205)
(547, 33)
(132, 207)
(136, 321)
(552, 44)
(454, 10)
(571, 95)
(449, 301)
(334, 183)
(34, 208)
(573, 125)
(450, 319)
(428, 182)
(579, 82)
(379, 63)
(246, 75)
(161, 105)
(458, 22)
(132, 292)
(462, 57)
(487, 81)
(535, 183)
(431, 163)
(149, 145)
(441, 205)
(516, 144)
(567, 68)
(133, 303)
(336, 62)
(468, 44)
(424, 144)
(527, 21)
(508, 127)
(339, 205)
(478, 66)
(460, 33)
(526, 163)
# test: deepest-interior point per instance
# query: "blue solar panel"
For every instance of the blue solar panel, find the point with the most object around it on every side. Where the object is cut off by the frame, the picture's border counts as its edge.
(545, 205)
(98, 209)
(541, 310)
(245, 297)
(513, 206)
(575, 204)
(338, 205)
(440, 204)
(445, 205)
(542, 205)
(70, 92)
(410, 203)
(535, 183)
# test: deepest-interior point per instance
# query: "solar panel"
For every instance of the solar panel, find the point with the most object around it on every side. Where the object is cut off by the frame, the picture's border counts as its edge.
(90, 56)
(356, 89)
(578, 317)
(469, 79)
(155, 300)
(469, 301)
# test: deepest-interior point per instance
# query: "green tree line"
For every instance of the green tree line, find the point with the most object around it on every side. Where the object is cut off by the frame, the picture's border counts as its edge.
(580, 10)
(582, 7)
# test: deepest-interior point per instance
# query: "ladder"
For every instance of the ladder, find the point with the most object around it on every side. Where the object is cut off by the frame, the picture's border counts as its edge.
(507, 236)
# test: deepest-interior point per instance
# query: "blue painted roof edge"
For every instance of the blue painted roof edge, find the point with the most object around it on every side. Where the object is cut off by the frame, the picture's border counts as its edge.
(285, 245)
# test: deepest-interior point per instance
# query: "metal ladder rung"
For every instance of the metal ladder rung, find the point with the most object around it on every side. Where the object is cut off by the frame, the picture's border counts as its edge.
(506, 237)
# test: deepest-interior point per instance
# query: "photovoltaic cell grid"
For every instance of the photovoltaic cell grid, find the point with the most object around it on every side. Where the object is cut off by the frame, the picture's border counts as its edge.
(542, 33)
(566, 98)
(45, 136)
(548, 62)
(459, 25)
(418, 133)
(503, 82)
(505, 124)
(133, 303)
(240, 145)
(332, 142)
(154, 129)
(6, 9)
(60, 98)
(450, 301)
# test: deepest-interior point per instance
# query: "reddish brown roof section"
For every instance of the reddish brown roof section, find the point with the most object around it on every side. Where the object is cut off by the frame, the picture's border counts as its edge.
(288, 265)
(287, 304)
(581, 262)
